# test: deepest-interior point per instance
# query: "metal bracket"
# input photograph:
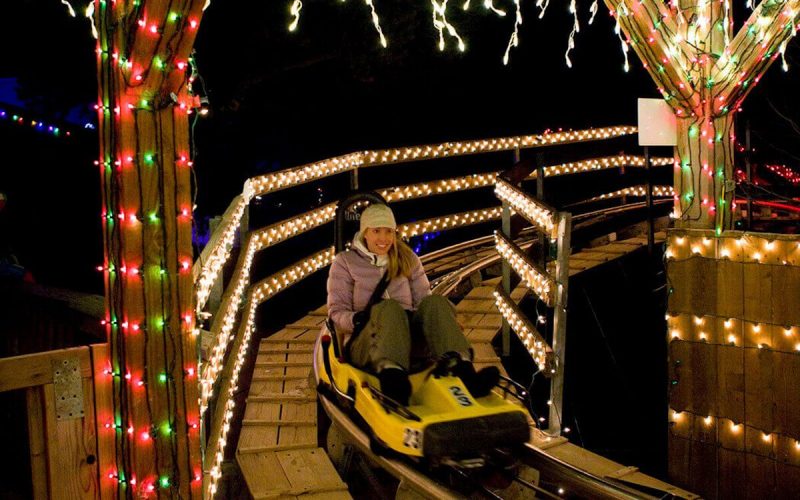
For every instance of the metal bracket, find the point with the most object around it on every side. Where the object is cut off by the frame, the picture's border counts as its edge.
(68, 388)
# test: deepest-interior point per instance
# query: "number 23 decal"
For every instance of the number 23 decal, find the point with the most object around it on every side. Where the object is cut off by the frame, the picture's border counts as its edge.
(462, 398)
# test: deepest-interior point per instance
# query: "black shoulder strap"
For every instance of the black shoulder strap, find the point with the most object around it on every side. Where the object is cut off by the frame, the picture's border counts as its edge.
(377, 294)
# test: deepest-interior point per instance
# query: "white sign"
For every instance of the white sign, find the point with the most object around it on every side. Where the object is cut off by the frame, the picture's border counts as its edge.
(657, 123)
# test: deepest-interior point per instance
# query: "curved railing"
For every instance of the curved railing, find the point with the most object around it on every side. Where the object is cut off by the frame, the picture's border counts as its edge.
(232, 323)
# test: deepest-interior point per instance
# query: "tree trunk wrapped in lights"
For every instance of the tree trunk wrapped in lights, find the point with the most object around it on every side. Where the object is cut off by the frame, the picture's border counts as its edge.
(142, 54)
(704, 73)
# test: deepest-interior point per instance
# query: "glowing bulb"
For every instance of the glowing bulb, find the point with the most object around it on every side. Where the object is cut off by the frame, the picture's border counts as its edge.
(728, 323)
(708, 420)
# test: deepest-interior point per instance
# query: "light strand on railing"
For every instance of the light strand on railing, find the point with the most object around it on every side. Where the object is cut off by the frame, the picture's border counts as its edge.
(264, 184)
(397, 155)
(268, 287)
(286, 229)
(534, 342)
(540, 283)
(219, 454)
(219, 256)
(448, 222)
(601, 164)
(660, 191)
(438, 187)
(536, 213)
(223, 337)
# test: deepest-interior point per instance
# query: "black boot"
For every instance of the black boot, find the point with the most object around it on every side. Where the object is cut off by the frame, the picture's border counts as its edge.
(480, 383)
(395, 384)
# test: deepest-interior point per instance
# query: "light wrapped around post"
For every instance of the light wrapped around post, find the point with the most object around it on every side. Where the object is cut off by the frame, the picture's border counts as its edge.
(145, 166)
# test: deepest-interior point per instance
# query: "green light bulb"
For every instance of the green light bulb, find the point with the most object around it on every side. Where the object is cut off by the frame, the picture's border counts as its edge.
(164, 482)
(162, 378)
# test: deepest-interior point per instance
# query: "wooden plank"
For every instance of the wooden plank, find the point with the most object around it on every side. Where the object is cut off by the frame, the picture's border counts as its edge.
(730, 380)
(273, 340)
(758, 292)
(37, 443)
(480, 292)
(310, 471)
(282, 397)
(759, 388)
(262, 472)
(276, 447)
(268, 378)
(480, 334)
(491, 321)
(68, 445)
(307, 322)
(30, 370)
(302, 349)
(587, 255)
(281, 422)
(282, 364)
(619, 247)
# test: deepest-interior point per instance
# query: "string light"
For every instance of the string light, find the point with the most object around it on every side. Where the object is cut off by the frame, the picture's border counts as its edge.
(534, 342)
(537, 280)
(449, 222)
(533, 210)
(636, 191)
(36, 125)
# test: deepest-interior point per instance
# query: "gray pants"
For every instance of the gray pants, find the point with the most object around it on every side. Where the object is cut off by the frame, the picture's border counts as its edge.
(391, 334)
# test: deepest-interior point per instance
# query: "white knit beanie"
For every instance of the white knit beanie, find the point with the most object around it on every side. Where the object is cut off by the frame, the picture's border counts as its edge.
(377, 215)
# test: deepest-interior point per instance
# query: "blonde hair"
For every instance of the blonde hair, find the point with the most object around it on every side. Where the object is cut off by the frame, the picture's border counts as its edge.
(401, 258)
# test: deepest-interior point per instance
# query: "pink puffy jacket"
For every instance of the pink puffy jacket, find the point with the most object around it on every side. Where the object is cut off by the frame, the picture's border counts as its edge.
(352, 279)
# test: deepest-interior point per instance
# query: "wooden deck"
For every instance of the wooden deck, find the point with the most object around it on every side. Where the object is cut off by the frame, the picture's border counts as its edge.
(278, 452)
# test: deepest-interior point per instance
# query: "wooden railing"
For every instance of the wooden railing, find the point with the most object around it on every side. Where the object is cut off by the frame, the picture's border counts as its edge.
(66, 407)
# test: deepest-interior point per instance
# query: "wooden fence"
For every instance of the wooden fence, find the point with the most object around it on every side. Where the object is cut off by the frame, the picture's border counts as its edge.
(71, 449)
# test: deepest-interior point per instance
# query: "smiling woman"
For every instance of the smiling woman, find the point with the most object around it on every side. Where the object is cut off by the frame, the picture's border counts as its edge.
(379, 298)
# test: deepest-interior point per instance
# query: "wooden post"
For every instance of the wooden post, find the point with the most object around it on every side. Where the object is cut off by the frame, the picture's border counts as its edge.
(142, 53)
(564, 231)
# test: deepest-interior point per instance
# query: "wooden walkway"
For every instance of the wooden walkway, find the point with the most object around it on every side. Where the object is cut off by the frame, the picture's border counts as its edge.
(277, 451)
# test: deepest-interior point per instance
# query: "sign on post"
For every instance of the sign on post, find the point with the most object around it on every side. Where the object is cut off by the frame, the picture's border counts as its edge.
(657, 123)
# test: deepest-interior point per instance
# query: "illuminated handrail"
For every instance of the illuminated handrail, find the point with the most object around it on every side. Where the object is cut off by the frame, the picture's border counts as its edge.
(538, 280)
(534, 342)
(603, 163)
(450, 221)
(534, 211)
(637, 191)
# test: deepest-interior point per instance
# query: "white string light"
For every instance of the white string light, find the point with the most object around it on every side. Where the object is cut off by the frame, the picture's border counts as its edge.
(576, 28)
(514, 40)
(537, 280)
(294, 11)
(659, 191)
(535, 344)
(441, 24)
(70, 10)
(533, 210)
(449, 222)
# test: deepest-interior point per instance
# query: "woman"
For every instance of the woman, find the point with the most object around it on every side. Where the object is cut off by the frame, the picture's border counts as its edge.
(381, 332)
